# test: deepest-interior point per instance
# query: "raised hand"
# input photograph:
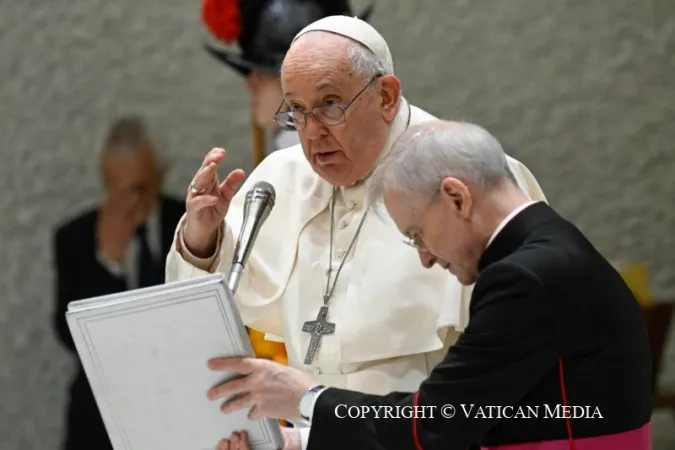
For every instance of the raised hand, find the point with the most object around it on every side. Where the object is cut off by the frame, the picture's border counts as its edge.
(207, 203)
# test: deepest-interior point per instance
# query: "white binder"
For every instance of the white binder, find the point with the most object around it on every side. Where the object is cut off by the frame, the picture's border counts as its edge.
(145, 355)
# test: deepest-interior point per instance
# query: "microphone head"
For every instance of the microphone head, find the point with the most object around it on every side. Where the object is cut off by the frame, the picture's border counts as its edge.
(262, 190)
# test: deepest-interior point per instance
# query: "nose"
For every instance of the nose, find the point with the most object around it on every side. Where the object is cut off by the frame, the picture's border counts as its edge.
(313, 128)
(427, 259)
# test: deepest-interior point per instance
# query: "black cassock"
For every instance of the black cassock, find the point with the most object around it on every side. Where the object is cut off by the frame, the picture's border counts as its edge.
(555, 351)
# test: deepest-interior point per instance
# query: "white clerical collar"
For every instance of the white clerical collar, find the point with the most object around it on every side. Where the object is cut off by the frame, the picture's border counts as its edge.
(508, 218)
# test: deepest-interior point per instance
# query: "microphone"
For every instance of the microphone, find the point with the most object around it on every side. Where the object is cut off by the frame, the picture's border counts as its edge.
(257, 207)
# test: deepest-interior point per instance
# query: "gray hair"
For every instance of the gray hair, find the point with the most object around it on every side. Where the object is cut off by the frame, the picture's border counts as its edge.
(126, 134)
(130, 134)
(366, 63)
(428, 153)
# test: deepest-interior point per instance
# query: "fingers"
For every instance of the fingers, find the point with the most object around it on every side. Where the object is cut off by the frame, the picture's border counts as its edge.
(242, 366)
(229, 187)
(207, 174)
(253, 413)
(216, 155)
(237, 386)
(205, 179)
(238, 441)
(237, 403)
(244, 441)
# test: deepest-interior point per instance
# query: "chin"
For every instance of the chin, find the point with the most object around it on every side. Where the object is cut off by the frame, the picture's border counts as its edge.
(334, 174)
(465, 279)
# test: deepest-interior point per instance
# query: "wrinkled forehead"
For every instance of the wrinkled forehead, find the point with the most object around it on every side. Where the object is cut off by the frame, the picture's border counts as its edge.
(318, 58)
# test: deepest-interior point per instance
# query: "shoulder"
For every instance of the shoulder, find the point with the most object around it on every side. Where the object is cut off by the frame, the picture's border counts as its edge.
(508, 294)
(418, 115)
(507, 276)
(557, 254)
(76, 228)
(78, 223)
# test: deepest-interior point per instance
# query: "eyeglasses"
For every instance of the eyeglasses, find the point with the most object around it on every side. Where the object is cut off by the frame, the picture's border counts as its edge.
(296, 120)
(415, 242)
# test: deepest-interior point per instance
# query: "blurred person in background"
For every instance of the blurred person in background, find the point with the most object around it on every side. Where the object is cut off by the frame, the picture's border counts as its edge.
(264, 30)
(120, 245)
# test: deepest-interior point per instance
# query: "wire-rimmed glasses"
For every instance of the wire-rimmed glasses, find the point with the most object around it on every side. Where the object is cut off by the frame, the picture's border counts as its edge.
(296, 120)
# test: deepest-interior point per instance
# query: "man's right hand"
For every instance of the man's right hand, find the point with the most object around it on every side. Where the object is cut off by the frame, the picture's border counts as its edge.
(207, 207)
(119, 217)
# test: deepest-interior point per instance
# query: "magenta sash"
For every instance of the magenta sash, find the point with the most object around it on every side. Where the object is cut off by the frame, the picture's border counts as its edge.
(638, 439)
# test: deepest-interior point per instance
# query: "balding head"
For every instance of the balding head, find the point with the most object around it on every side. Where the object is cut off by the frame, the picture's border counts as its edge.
(317, 52)
(447, 185)
(358, 98)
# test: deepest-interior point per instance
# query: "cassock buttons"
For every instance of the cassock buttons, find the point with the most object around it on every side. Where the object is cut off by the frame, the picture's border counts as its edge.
(343, 224)
(352, 205)
(340, 253)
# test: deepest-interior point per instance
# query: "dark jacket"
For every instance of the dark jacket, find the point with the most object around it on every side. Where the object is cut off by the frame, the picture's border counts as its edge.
(552, 324)
(79, 275)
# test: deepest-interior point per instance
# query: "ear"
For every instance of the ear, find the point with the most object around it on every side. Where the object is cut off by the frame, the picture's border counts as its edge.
(390, 93)
(457, 195)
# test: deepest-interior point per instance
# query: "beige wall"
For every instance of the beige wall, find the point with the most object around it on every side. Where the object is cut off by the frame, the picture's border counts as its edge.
(582, 91)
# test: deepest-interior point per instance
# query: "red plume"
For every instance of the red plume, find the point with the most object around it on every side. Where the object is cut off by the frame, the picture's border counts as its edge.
(222, 18)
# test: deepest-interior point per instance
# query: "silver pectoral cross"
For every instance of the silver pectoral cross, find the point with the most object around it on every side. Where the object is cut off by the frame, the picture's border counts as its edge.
(318, 329)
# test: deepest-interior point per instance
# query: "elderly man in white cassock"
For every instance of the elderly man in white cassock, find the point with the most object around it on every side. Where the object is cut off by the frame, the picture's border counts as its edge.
(321, 255)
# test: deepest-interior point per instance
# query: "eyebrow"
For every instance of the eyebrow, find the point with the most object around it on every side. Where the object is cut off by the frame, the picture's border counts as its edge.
(321, 86)
(326, 85)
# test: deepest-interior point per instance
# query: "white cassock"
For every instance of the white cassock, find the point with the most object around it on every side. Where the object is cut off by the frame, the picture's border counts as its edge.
(393, 318)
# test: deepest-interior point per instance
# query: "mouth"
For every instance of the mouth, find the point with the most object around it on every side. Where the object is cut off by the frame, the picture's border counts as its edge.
(325, 157)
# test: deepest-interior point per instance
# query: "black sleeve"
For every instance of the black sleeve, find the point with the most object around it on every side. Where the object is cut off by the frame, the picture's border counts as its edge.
(79, 275)
(506, 349)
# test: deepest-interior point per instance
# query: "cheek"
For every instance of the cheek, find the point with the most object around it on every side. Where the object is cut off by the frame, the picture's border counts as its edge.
(446, 244)
(343, 136)
(440, 246)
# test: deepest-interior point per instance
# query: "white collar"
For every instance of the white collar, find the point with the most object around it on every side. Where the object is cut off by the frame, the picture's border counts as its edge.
(508, 218)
